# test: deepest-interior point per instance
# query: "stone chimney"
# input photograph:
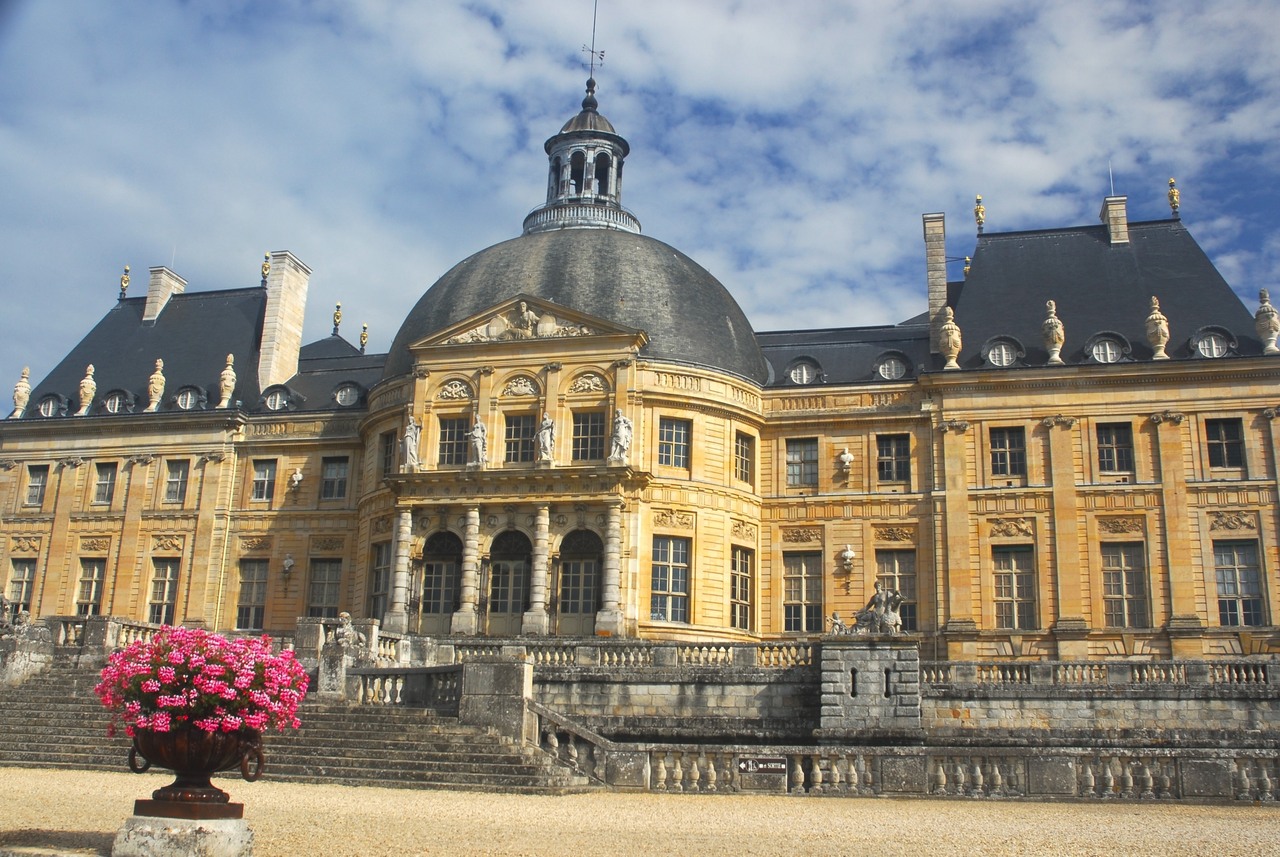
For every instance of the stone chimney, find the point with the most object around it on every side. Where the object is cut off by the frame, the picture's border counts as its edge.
(935, 260)
(282, 327)
(1117, 219)
(164, 285)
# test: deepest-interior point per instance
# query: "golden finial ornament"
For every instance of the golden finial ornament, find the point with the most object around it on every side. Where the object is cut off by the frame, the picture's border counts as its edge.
(124, 282)
(337, 317)
(364, 337)
(968, 263)
(266, 267)
(1175, 198)
(979, 212)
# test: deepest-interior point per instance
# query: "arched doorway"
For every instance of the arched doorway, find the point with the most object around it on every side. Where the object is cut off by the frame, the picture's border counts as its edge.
(509, 561)
(441, 578)
(578, 593)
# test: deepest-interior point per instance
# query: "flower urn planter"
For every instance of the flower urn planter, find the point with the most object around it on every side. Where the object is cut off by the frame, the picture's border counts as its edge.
(194, 755)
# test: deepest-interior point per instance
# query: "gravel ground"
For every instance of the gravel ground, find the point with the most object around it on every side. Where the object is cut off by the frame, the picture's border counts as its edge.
(69, 811)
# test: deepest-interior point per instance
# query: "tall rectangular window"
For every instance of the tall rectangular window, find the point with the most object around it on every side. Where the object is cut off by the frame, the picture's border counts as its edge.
(1226, 442)
(1008, 452)
(1124, 585)
(744, 458)
(104, 486)
(521, 430)
(896, 569)
(89, 596)
(1115, 448)
(1015, 587)
(802, 592)
(333, 478)
(22, 581)
(264, 479)
(802, 462)
(454, 440)
(387, 453)
(673, 442)
(741, 574)
(893, 457)
(37, 480)
(252, 603)
(669, 592)
(1239, 583)
(164, 591)
(588, 435)
(175, 481)
(322, 592)
(439, 586)
(380, 580)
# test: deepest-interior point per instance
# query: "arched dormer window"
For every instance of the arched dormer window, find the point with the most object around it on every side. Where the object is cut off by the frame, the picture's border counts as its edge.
(602, 174)
(1212, 341)
(1002, 352)
(577, 173)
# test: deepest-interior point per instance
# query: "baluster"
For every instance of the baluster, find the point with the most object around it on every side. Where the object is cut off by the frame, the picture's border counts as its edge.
(1108, 781)
(571, 749)
(797, 774)
(940, 777)
(1011, 786)
(868, 781)
(816, 778)
(553, 743)
(1166, 779)
(660, 773)
(1148, 781)
(997, 784)
(1087, 783)
(1246, 788)
(836, 785)
(711, 771)
(958, 777)
(677, 773)
(1264, 780)
(975, 779)
(1126, 779)
(695, 774)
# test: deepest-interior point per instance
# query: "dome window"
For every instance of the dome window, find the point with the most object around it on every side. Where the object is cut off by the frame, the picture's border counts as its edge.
(804, 372)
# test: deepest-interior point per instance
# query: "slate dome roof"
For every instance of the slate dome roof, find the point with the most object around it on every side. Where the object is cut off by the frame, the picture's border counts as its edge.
(622, 277)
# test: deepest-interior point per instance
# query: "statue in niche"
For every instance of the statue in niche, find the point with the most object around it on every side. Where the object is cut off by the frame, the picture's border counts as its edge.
(949, 340)
(1266, 321)
(227, 382)
(409, 443)
(1052, 333)
(155, 387)
(1157, 330)
(479, 442)
(88, 387)
(621, 441)
(22, 392)
(546, 438)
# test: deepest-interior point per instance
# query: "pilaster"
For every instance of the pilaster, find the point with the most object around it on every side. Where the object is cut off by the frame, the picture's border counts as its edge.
(609, 617)
(536, 620)
(396, 619)
(467, 618)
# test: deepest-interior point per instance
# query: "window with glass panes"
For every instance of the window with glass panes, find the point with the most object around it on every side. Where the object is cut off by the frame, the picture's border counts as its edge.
(175, 480)
(509, 561)
(896, 569)
(251, 604)
(802, 462)
(744, 458)
(1239, 583)
(588, 435)
(441, 559)
(673, 442)
(1124, 585)
(1115, 448)
(164, 591)
(333, 478)
(1226, 442)
(1015, 587)
(22, 581)
(741, 572)
(521, 430)
(387, 452)
(802, 591)
(380, 580)
(669, 587)
(893, 457)
(264, 479)
(1008, 452)
(580, 555)
(322, 591)
(454, 439)
(104, 486)
(89, 595)
(37, 479)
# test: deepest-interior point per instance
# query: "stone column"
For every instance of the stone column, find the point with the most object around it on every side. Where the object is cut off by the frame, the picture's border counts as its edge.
(467, 618)
(609, 618)
(396, 619)
(536, 620)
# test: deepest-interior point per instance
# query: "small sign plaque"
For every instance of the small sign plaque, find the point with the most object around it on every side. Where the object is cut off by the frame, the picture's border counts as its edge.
(763, 765)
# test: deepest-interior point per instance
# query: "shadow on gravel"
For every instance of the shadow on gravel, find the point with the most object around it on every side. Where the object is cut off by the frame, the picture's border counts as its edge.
(89, 841)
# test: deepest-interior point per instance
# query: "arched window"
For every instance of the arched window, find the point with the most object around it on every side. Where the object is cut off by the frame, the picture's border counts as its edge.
(581, 555)
(509, 561)
(553, 182)
(577, 172)
(441, 576)
(602, 174)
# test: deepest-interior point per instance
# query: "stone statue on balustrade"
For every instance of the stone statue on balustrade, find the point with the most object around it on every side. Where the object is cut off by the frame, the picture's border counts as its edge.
(881, 616)
(838, 627)
(345, 634)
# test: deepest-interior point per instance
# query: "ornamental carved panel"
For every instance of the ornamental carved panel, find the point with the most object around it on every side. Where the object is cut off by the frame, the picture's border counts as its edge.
(589, 382)
(455, 390)
(894, 534)
(1233, 520)
(744, 530)
(1011, 527)
(801, 535)
(255, 543)
(521, 386)
(95, 544)
(24, 544)
(382, 525)
(167, 544)
(328, 543)
(673, 520)
(1120, 526)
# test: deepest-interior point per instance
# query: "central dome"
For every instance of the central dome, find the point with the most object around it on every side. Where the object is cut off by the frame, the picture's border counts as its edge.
(619, 276)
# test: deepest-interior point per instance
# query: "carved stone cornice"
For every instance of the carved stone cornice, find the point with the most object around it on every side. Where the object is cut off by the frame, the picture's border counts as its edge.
(960, 426)
(1059, 420)
(1175, 417)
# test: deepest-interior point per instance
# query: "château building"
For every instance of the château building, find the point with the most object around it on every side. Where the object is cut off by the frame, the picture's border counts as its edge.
(1070, 453)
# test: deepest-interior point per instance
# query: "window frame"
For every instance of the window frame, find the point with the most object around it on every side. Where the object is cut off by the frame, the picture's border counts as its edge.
(1224, 453)
(1008, 459)
(93, 577)
(744, 458)
(741, 587)
(387, 444)
(36, 487)
(22, 582)
(589, 435)
(104, 482)
(1115, 447)
(333, 485)
(1239, 608)
(380, 577)
(670, 579)
(324, 593)
(1014, 602)
(163, 600)
(251, 601)
(520, 434)
(175, 489)
(801, 456)
(893, 458)
(454, 441)
(896, 569)
(263, 486)
(674, 437)
(1125, 587)
(802, 592)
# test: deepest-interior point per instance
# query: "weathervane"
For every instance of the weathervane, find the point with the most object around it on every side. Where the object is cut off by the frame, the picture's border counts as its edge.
(596, 56)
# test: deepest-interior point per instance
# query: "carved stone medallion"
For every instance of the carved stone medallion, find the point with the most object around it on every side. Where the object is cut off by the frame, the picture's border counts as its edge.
(520, 386)
(455, 390)
(589, 382)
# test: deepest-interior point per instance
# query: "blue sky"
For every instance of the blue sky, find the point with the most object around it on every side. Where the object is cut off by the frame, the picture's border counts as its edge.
(789, 148)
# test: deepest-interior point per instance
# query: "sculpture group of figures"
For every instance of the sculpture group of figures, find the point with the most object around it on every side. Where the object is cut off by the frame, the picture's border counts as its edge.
(880, 616)
(544, 441)
(18, 624)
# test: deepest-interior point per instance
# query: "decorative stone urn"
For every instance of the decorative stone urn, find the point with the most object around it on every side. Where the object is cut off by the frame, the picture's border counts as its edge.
(1266, 321)
(949, 341)
(1157, 330)
(1053, 334)
(194, 755)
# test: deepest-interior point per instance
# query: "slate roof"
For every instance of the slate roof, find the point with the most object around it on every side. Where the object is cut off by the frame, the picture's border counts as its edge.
(848, 355)
(327, 364)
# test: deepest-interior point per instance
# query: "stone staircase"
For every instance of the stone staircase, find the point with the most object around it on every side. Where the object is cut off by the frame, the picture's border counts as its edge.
(53, 720)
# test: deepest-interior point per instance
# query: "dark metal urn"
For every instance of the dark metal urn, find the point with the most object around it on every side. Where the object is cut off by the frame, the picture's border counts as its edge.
(195, 755)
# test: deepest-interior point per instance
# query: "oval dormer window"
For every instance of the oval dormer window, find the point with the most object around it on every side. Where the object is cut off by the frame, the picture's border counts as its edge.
(1212, 345)
(891, 368)
(1002, 354)
(347, 395)
(1105, 351)
(803, 372)
(276, 400)
(48, 406)
(115, 403)
(187, 398)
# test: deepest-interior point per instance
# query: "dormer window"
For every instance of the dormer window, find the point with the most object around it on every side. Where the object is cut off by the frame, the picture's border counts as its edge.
(1211, 345)
(346, 395)
(1002, 354)
(276, 400)
(49, 406)
(187, 399)
(1105, 351)
(804, 372)
(891, 368)
(115, 402)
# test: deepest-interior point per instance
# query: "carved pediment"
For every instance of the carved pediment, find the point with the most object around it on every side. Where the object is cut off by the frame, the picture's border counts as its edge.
(523, 318)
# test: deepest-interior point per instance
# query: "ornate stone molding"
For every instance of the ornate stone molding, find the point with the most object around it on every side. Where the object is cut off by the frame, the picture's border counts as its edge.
(328, 543)
(800, 535)
(744, 530)
(255, 543)
(141, 458)
(95, 544)
(215, 457)
(24, 544)
(420, 371)
(520, 322)
(1175, 417)
(673, 520)
(1233, 520)
(521, 385)
(1059, 420)
(1120, 526)
(588, 382)
(678, 381)
(455, 389)
(72, 462)
(1011, 527)
(167, 544)
(382, 525)
(1271, 413)
(894, 534)
(7, 463)
(960, 426)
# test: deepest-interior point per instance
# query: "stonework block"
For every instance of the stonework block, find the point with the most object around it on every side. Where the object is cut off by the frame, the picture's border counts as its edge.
(1051, 776)
(151, 836)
